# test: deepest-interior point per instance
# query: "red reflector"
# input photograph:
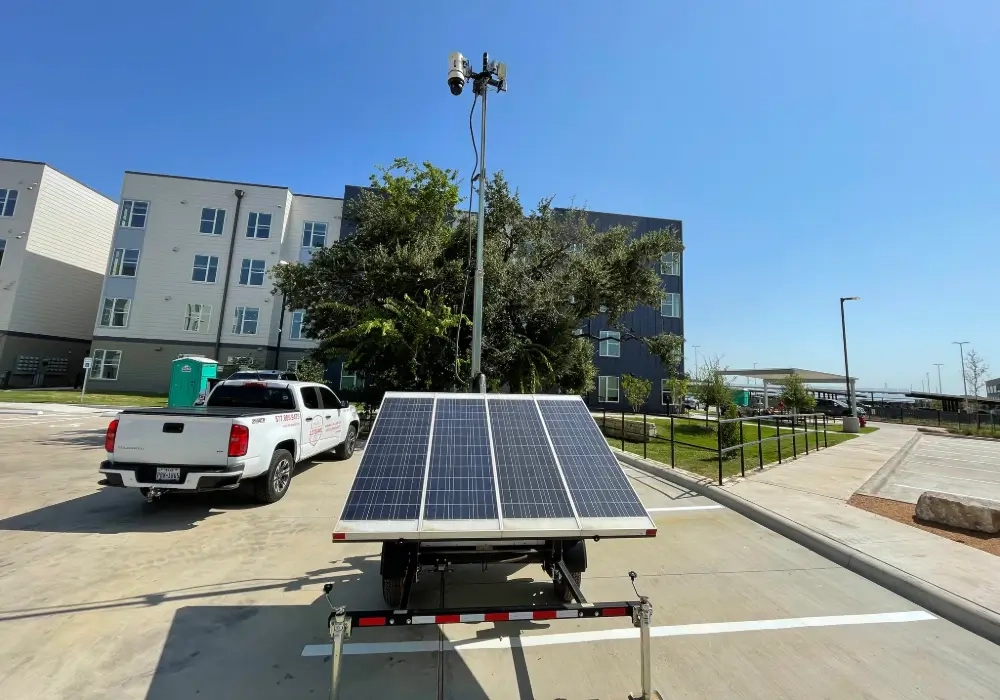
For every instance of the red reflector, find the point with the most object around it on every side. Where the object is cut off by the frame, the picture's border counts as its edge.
(339, 536)
(651, 533)
(497, 617)
(614, 612)
(447, 619)
(544, 615)
(239, 440)
(109, 437)
(371, 622)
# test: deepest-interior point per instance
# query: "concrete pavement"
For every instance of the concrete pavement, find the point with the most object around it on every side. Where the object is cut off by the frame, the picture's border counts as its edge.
(808, 496)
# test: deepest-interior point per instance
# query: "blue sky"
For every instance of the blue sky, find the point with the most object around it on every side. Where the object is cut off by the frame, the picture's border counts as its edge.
(813, 150)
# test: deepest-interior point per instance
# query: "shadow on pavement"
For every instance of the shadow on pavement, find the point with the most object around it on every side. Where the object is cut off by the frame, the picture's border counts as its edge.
(74, 438)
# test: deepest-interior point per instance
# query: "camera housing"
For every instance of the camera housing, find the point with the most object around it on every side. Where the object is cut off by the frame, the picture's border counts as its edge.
(457, 71)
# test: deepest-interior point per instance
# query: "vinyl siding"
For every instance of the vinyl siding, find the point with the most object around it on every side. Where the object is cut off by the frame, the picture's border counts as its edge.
(18, 176)
(65, 254)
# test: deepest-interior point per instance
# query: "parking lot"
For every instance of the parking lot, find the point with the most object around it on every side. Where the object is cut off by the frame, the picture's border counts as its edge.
(215, 597)
(939, 463)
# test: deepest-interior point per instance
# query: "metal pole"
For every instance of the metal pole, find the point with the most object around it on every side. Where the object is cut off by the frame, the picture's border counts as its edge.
(281, 327)
(777, 423)
(645, 435)
(645, 651)
(338, 630)
(673, 462)
(742, 460)
(938, 365)
(795, 454)
(718, 433)
(482, 87)
(847, 371)
(961, 356)
(623, 430)
(760, 445)
(86, 374)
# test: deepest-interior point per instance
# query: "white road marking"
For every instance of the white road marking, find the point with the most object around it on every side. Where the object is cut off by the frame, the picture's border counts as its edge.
(955, 466)
(363, 648)
(949, 476)
(678, 508)
(924, 488)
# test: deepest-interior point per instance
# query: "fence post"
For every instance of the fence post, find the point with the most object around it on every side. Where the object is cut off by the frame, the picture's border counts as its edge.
(718, 435)
(795, 440)
(742, 461)
(672, 463)
(805, 431)
(777, 423)
(760, 445)
(979, 422)
(623, 430)
(645, 435)
(825, 444)
(939, 417)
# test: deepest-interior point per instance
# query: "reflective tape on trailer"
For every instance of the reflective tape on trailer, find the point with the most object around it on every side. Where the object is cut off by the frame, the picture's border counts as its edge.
(394, 618)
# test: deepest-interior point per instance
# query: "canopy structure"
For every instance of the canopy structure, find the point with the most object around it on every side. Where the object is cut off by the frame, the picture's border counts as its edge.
(778, 375)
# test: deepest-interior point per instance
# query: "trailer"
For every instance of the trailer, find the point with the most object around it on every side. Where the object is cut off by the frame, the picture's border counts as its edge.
(456, 479)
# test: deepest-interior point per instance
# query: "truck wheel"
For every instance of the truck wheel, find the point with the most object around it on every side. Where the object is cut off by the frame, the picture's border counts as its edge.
(562, 589)
(345, 449)
(272, 485)
(392, 591)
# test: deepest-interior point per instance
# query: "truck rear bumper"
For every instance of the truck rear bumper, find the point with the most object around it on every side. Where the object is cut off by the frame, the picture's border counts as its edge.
(191, 478)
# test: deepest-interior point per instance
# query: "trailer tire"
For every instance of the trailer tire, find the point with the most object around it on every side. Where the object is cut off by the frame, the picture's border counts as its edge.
(272, 485)
(345, 449)
(392, 591)
(562, 589)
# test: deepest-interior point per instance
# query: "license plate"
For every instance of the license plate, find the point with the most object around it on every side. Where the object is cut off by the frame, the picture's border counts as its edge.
(168, 474)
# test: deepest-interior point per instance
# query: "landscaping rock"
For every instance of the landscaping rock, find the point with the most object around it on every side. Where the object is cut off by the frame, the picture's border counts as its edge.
(959, 511)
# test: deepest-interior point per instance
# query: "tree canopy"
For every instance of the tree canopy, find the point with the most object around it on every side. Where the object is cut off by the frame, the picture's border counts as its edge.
(795, 394)
(395, 299)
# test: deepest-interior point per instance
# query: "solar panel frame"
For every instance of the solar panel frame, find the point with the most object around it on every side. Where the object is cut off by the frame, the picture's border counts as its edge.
(503, 527)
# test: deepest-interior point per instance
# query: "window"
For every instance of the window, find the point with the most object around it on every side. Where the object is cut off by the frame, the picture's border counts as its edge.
(258, 225)
(212, 221)
(246, 320)
(124, 262)
(665, 392)
(292, 365)
(670, 306)
(8, 199)
(350, 380)
(134, 214)
(612, 346)
(313, 234)
(310, 397)
(206, 268)
(607, 389)
(328, 398)
(114, 313)
(295, 332)
(670, 264)
(3, 247)
(252, 273)
(197, 318)
(105, 364)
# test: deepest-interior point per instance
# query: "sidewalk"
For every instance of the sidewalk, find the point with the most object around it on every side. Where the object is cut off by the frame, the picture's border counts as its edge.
(809, 496)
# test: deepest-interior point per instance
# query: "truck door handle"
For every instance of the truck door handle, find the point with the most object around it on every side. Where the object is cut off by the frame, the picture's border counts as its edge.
(308, 419)
(328, 415)
(173, 427)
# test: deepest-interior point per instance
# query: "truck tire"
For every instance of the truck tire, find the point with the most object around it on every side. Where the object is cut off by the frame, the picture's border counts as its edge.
(273, 484)
(392, 591)
(345, 449)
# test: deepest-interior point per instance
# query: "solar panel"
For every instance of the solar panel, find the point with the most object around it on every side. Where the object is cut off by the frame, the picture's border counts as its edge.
(390, 478)
(597, 484)
(530, 486)
(460, 482)
(469, 466)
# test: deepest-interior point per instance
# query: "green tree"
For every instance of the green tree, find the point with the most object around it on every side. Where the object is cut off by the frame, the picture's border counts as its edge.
(310, 370)
(636, 390)
(679, 388)
(795, 395)
(394, 299)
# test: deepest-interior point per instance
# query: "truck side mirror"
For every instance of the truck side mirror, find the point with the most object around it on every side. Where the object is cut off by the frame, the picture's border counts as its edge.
(345, 404)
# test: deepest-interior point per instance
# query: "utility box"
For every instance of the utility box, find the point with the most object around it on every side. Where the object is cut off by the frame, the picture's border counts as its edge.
(189, 377)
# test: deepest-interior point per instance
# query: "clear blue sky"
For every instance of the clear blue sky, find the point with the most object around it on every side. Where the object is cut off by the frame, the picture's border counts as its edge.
(813, 150)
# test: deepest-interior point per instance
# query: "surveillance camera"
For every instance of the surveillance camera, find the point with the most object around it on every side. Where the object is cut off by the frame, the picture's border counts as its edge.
(456, 72)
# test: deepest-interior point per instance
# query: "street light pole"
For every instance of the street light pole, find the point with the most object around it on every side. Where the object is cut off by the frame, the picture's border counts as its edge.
(696, 360)
(938, 365)
(961, 355)
(847, 372)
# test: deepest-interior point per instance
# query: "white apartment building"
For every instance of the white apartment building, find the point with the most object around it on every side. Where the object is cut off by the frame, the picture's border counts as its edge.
(54, 238)
(189, 273)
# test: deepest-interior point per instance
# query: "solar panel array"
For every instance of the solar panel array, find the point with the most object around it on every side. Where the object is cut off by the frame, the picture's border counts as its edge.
(469, 462)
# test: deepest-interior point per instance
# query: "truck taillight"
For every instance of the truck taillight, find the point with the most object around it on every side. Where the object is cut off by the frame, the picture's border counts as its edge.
(239, 440)
(109, 437)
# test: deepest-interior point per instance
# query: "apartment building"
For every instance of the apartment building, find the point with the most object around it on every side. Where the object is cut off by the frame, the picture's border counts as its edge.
(55, 234)
(189, 273)
(993, 389)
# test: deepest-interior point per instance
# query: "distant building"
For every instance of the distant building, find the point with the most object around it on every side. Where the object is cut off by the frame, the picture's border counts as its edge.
(993, 389)
(55, 234)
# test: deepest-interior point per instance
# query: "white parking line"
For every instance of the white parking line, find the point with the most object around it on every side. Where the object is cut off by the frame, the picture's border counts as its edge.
(924, 488)
(616, 634)
(678, 508)
(948, 476)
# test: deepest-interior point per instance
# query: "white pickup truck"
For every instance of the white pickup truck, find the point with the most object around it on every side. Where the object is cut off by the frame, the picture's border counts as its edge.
(248, 431)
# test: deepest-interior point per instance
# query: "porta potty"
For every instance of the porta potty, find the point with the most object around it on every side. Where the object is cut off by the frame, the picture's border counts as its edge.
(188, 378)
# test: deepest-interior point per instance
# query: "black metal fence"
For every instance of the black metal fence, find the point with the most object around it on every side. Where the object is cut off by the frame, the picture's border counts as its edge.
(708, 447)
(980, 422)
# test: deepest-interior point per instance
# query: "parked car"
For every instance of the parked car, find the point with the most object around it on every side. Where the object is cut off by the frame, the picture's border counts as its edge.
(691, 403)
(835, 408)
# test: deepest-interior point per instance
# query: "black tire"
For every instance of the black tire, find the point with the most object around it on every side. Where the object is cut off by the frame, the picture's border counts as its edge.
(345, 449)
(392, 591)
(562, 590)
(273, 485)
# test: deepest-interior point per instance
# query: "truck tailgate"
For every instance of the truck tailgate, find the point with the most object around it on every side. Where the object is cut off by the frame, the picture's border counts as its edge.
(172, 439)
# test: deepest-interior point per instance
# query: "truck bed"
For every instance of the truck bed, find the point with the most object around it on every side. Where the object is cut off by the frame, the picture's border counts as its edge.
(208, 411)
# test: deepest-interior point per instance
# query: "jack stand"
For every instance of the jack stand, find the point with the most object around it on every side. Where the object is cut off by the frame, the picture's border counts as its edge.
(641, 618)
(340, 630)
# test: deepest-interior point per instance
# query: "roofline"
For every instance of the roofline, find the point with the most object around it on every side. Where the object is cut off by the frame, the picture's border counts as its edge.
(318, 196)
(46, 165)
(782, 372)
(613, 213)
(206, 179)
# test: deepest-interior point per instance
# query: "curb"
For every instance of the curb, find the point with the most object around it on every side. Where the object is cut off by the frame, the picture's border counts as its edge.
(945, 604)
(880, 478)
(944, 433)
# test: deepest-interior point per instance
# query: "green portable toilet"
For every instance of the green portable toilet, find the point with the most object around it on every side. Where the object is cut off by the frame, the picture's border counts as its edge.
(189, 377)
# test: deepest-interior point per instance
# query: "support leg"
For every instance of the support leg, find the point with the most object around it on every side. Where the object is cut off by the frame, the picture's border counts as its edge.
(643, 618)
(340, 629)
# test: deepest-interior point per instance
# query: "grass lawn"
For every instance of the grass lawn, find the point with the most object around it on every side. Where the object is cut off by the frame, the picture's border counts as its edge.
(696, 443)
(73, 397)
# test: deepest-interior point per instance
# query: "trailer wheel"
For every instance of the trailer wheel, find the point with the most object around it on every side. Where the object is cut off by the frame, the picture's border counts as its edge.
(562, 589)
(392, 591)
(273, 484)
